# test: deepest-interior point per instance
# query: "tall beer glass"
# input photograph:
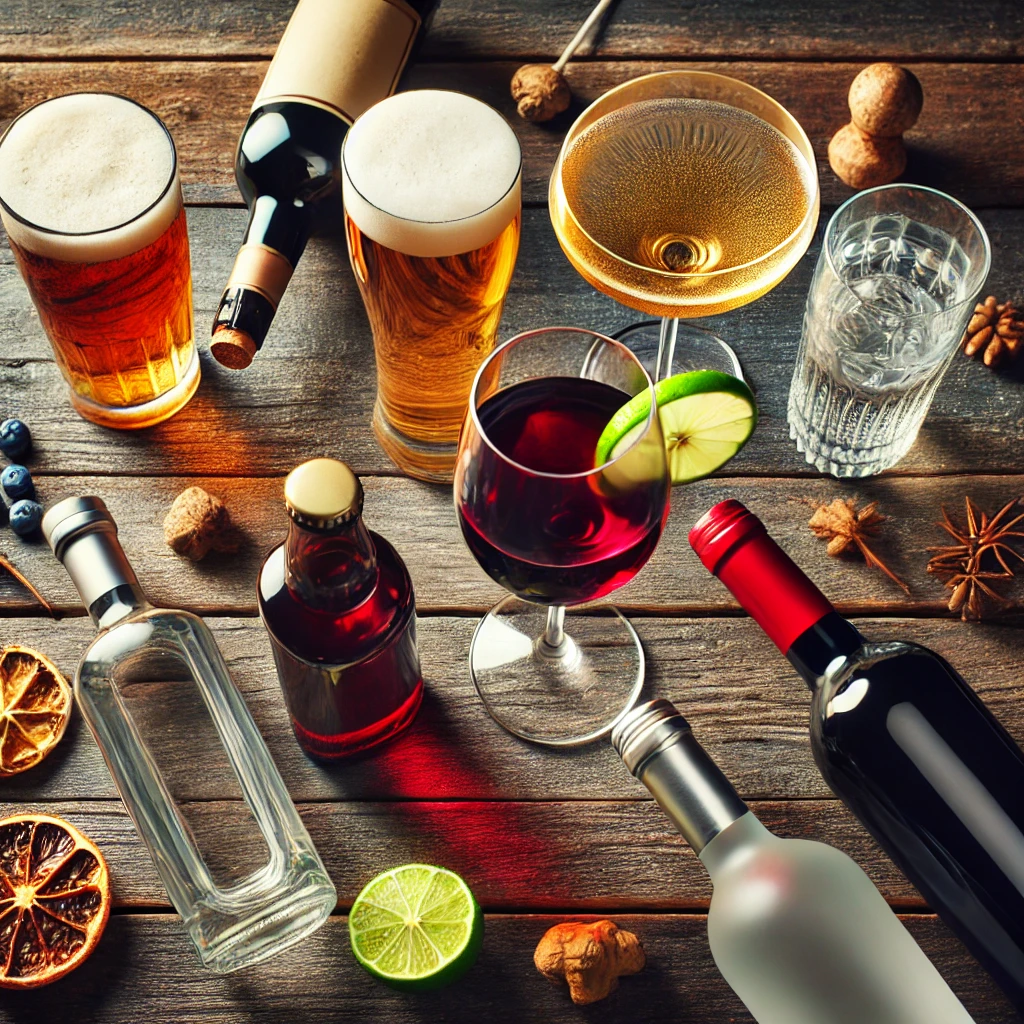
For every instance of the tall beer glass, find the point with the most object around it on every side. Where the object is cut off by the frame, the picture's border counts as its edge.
(432, 187)
(91, 201)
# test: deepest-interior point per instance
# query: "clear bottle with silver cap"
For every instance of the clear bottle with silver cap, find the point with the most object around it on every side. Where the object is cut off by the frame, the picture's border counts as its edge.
(237, 920)
(338, 603)
(796, 927)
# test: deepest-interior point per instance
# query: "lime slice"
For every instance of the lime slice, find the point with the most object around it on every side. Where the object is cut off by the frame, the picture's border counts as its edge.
(416, 927)
(706, 417)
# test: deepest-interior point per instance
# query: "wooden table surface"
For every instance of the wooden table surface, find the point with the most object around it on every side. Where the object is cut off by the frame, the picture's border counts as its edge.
(540, 837)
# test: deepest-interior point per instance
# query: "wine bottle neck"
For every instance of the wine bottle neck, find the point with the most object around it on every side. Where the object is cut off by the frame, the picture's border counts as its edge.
(656, 744)
(734, 545)
(830, 639)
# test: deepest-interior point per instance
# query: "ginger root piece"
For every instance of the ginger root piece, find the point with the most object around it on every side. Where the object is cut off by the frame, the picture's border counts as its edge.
(197, 524)
(589, 957)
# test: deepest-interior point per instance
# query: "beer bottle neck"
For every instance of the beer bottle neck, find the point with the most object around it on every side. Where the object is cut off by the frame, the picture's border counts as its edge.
(330, 571)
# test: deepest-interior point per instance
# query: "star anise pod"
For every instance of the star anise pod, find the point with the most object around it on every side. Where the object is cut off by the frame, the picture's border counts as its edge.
(996, 331)
(983, 552)
(848, 529)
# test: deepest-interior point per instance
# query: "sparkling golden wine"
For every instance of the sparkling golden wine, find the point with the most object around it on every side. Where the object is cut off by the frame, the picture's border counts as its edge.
(90, 199)
(682, 207)
(432, 191)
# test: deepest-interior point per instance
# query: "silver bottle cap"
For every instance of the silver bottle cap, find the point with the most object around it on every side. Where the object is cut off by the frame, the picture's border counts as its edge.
(657, 746)
(83, 535)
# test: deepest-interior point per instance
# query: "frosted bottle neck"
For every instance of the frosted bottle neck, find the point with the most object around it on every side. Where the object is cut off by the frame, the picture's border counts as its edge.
(656, 744)
(734, 844)
(331, 570)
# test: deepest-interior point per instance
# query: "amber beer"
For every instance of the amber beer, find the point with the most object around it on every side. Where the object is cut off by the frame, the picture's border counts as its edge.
(432, 187)
(91, 201)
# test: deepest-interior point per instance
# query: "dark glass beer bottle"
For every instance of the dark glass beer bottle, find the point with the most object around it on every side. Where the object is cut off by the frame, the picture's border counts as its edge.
(336, 59)
(338, 604)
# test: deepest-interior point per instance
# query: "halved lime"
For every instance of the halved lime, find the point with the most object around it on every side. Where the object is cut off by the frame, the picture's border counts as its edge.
(416, 927)
(706, 417)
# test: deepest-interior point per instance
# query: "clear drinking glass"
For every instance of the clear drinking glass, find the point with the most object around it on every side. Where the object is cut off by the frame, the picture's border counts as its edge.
(899, 272)
(557, 525)
(684, 194)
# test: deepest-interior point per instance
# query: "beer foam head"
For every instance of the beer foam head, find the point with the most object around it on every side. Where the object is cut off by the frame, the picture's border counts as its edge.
(431, 173)
(87, 177)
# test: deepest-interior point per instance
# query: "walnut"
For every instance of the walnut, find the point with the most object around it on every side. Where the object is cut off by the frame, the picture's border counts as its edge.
(885, 100)
(590, 957)
(540, 92)
(862, 160)
(199, 523)
(996, 332)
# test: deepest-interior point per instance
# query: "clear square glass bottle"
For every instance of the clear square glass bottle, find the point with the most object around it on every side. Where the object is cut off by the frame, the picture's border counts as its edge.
(244, 918)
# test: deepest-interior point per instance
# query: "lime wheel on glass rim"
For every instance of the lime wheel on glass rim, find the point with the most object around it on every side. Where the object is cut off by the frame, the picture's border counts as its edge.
(706, 417)
(416, 927)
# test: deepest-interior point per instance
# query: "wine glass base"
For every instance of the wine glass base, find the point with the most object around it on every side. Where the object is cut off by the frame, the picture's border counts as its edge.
(557, 697)
(696, 349)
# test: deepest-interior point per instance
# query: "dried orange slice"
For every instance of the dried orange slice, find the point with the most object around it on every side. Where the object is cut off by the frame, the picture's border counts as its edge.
(36, 708)
(54, 899)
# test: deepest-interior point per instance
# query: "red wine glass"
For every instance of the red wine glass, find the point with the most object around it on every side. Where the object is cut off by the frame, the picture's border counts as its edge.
(558, 526)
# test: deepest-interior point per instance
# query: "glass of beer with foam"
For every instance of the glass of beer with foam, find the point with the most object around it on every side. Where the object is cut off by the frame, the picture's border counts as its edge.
(91, 201)
(432, 185)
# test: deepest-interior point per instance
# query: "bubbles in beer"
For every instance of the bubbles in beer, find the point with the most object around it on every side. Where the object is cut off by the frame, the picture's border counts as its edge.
(431, 173)
(83, 165)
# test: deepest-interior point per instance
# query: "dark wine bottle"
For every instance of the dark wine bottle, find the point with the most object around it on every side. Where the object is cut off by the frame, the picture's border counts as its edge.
(336, 59)
(902, 739)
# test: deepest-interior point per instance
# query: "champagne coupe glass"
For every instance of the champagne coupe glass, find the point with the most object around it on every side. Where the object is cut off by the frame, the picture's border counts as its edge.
(684, 194)
(556, 525)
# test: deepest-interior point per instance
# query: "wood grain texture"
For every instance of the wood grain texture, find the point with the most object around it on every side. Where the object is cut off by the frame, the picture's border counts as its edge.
(915, 29)
(539, 856)
(311, 389)
(143, 969)
(420, 521)
(745, 703)
(205, 104)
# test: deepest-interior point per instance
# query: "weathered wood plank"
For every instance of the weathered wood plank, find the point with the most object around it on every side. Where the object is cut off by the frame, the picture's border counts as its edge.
(942, 29)
(143, 969)
(536, 856)
(311, 389)
(205, 104)
(420, 520)
(744, 701)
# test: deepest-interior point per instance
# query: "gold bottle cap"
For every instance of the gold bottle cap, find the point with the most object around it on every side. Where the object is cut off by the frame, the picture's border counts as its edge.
(233, 349)
(323, 494)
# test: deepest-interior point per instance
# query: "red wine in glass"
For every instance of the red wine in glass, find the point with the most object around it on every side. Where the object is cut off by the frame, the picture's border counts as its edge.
(543, 533)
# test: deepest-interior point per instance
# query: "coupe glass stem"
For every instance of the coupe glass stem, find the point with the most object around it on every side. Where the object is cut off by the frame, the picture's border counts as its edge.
(666, 348)
(554, 632)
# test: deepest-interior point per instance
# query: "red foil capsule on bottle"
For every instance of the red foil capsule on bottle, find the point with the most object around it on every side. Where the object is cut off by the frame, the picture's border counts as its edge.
(734, 545)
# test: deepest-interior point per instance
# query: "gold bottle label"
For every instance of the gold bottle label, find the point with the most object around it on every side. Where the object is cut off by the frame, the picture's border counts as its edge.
(341, 54)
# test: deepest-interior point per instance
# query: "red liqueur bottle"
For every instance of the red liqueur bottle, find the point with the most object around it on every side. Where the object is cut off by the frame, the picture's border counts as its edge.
(338, 604)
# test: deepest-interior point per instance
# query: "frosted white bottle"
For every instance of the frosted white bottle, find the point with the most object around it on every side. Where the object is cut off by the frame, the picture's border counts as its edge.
(797, 929)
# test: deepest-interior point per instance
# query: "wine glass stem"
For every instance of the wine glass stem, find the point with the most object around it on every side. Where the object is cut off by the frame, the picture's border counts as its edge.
(554, 633)
(666, 347)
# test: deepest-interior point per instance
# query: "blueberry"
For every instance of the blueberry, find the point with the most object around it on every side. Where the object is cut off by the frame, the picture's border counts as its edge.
(16, 482)
(26, 517)
(15, 438)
